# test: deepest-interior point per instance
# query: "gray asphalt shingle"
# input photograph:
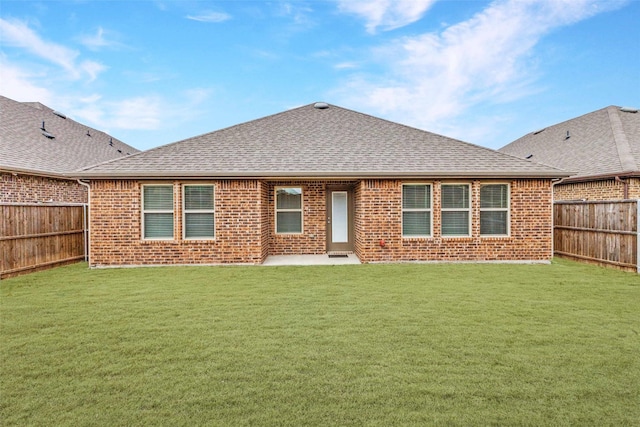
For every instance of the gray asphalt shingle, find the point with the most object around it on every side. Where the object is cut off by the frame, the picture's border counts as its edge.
(603, 142)
(313, 142)
(23, 147)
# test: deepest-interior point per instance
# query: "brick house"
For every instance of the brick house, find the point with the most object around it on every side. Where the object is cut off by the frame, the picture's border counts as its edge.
(601, 148)
(315, 180)
(40, 147)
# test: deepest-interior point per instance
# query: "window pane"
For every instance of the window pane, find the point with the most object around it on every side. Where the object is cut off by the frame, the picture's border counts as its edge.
(158, 197)
(198, 197)
(494, 196)
(289, 198)
(289, 222)
(416, 197)
(198, 225)
(158, 225)
(340, 215)
(455, 223)
(416, 223)
(493, 222)
(455, 197)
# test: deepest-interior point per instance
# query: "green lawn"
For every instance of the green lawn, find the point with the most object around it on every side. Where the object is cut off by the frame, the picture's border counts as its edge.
(375, 345)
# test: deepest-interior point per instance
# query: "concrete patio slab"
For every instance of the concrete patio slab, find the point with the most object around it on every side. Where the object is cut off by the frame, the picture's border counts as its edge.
(323, 259)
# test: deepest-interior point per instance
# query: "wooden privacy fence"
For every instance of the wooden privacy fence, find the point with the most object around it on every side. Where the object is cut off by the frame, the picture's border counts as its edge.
(37, 236)
(603, 232)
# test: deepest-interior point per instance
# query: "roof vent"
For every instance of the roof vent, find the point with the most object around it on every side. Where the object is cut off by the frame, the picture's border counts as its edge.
(568, 136)
(59, 114)
(111, 142)
(47, 134)
(88, 133)
(529, 156)
(629, 110)
(539, 131)
(42, 127)
(321, 105)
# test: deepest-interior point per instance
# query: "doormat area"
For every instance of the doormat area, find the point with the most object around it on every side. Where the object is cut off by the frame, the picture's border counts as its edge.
(338, 256)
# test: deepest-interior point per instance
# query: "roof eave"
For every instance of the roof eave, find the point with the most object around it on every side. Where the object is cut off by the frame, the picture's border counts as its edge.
(35, 172)
(601, 177)
(323, 175)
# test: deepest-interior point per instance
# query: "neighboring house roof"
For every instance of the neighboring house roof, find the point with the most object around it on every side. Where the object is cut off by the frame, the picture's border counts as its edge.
(602, 143)
(63, 146)
(320, 140)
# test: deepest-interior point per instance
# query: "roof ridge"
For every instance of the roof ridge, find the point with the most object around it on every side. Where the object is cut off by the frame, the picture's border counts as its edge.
(627, 160)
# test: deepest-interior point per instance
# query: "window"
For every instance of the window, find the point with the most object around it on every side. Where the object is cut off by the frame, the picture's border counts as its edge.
(289, 210)
(455, 210)
(198, 212)
(157, 212)
(494, 210)
(416, 210)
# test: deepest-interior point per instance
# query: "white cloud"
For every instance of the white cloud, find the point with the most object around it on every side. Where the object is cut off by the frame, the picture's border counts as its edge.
(16, 33)
(345, 65)
(145, 112)
(386, 14)
(137, 113)
(92, 69)
(100, 40)
(433, 78)
(17, 85)
(210, 17)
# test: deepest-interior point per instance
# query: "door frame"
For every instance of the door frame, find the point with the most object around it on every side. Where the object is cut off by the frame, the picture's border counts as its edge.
(350, 244)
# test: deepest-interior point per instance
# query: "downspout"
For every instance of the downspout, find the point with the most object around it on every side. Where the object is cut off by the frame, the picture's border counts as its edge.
(86, 223)
(625, 186)
(554, 182)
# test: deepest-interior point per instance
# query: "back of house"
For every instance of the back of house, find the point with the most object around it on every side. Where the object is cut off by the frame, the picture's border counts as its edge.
(319, 179)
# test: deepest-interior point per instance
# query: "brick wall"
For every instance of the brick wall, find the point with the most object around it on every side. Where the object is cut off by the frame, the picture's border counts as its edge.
(21, 188)
(379, 217)
(245, 225)
(609, 189)
(116, 237)
(313, 238)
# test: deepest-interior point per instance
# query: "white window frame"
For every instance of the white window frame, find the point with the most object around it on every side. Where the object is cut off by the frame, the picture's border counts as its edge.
(428, 209)
(468, 210)
(276, 210)
(152, 211)
(186, 211)
(507, 209)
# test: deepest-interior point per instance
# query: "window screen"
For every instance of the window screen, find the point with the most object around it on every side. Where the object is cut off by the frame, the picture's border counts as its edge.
(157, 208)
(289, 210)
(416, 210)
(494, 209)
(455, 210)
(198, 212)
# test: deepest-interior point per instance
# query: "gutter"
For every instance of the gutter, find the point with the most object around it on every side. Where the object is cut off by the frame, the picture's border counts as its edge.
(43, 174)
(625, 186)
(324, 175)
(602, 177)
(554, 182)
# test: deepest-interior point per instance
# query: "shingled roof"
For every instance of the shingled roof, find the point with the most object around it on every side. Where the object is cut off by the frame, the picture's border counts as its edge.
(602, 143)
(38, 140)
(320, 140)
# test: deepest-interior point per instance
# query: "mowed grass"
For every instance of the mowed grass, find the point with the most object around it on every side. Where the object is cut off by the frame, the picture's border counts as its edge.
(370, 345)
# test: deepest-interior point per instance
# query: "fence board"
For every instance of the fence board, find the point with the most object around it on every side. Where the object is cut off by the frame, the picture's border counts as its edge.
(604, 232)
(37, 236)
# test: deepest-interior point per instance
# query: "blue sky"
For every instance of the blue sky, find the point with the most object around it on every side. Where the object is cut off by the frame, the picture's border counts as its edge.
(486, 72)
